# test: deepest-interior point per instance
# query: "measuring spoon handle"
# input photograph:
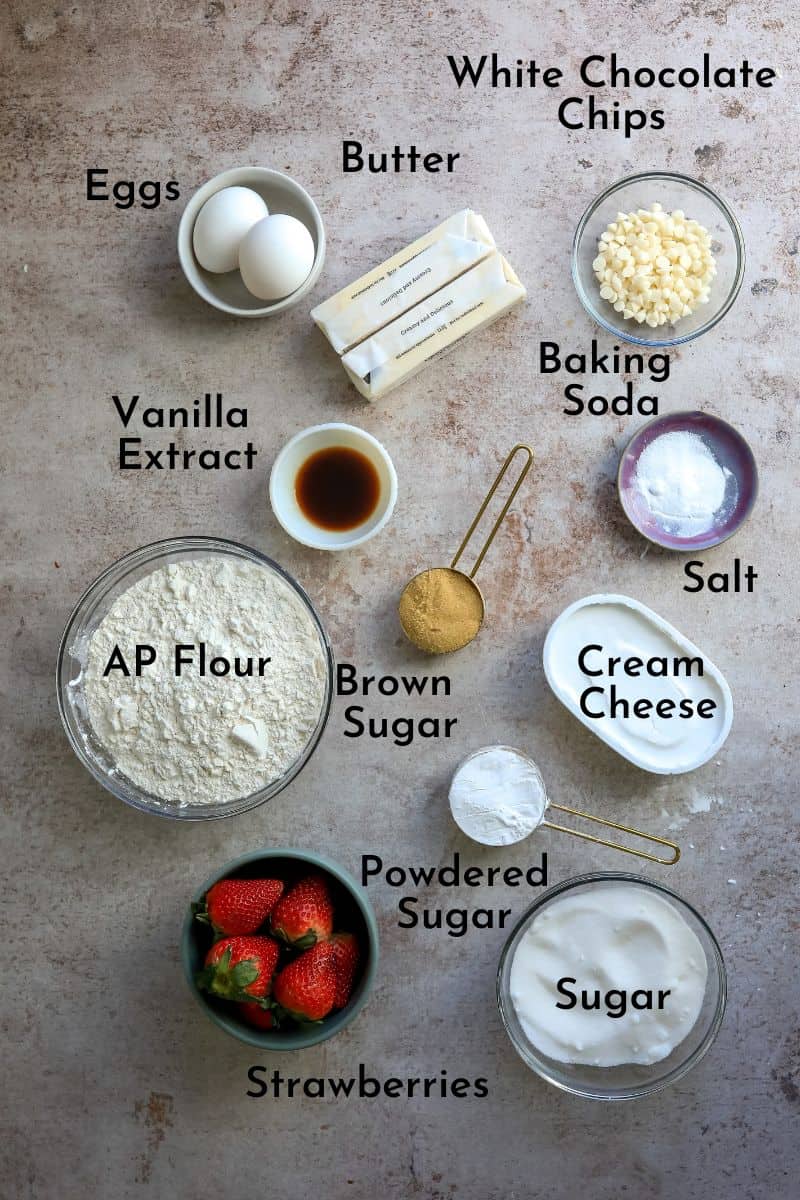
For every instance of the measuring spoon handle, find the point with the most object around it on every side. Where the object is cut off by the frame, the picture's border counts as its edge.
(526, 450)
(647, 837)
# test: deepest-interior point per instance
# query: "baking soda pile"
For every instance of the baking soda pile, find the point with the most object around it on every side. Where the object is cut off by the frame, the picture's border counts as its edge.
(683, 485)
(654, 266)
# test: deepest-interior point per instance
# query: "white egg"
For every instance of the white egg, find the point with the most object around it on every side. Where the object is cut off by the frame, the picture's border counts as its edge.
(276, 257)
(221, 224)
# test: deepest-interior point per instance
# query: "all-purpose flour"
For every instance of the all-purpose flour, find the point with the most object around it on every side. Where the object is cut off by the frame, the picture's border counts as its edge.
(206, 739)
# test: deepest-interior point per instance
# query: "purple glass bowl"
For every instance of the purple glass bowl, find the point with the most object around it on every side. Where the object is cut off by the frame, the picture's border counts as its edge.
(730, 450)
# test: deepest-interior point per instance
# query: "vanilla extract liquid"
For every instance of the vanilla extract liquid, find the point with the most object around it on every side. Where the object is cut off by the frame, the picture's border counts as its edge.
(337, 488)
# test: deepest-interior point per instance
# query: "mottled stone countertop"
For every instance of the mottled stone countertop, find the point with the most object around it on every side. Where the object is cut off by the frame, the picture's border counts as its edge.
(114, 1085)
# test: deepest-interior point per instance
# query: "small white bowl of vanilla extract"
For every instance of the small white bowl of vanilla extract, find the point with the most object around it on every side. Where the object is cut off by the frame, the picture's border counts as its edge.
(333, 487)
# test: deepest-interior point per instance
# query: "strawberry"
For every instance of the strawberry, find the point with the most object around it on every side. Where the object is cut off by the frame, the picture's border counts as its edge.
(306, 987)
(235, 906)
(305, 914)
(240, 968)
(254, 1014)
(346, 958)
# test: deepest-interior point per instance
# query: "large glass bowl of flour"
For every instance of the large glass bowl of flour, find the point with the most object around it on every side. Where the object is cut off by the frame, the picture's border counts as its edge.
(204, 745)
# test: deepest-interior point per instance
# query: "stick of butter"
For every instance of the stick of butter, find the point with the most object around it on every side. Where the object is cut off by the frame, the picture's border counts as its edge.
(410, 276)
(395, 353)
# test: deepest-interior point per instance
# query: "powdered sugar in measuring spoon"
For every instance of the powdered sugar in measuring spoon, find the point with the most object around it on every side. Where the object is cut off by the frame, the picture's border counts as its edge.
(498, 797)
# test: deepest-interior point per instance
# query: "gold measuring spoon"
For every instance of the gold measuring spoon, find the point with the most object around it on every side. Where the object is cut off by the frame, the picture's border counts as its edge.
(531, 816)
(638, 833)
(442, 608)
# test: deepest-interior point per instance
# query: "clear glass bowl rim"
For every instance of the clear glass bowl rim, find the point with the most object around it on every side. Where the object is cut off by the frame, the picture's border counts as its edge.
(645, 1089)
(738, 237)
(150, 554)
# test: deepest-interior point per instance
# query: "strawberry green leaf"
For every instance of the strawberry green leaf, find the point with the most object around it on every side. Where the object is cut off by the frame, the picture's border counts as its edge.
(244, 973)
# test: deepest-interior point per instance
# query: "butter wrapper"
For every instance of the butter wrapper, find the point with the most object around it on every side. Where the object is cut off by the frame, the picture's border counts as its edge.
(431, 328)
(407, 278)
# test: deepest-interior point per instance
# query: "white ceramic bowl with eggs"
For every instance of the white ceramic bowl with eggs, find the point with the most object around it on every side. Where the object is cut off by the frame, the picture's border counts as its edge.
(296, 452)
(280, 194)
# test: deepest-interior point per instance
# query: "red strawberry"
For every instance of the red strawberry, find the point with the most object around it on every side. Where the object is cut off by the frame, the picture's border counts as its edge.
(240, 968)
(346, 958)
(254, 1014)
(305, 914)
(235, 906)
(306, 987)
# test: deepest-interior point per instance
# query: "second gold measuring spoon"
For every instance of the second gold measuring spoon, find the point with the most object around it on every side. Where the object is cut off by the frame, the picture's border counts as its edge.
(442, 608)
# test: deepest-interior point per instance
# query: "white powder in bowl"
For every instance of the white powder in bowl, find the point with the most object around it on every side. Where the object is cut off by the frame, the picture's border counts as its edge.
(683, 485)
(206, 739)
(497, 796)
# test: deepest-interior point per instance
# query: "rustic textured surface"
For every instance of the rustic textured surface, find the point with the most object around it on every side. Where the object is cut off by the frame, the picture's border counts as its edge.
(114, 1084)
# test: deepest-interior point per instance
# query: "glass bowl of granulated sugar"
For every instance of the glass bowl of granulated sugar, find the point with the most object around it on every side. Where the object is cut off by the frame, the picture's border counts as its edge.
(194, 678)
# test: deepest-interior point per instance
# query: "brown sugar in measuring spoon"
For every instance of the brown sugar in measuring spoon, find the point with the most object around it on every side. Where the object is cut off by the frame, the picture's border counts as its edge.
(442, 608)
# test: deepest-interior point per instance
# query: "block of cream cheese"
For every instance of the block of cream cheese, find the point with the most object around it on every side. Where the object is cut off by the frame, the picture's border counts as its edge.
(605, 654)
(395, 353)
(404, 280)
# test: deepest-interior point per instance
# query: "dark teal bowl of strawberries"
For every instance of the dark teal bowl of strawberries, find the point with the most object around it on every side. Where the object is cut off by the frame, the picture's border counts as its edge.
(280, 948)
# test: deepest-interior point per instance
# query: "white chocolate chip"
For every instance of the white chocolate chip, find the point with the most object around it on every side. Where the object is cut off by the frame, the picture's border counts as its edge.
(654, 266)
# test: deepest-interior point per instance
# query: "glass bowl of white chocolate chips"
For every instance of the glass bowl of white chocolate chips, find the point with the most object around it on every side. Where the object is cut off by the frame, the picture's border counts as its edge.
(194, 678)
(658, 259)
